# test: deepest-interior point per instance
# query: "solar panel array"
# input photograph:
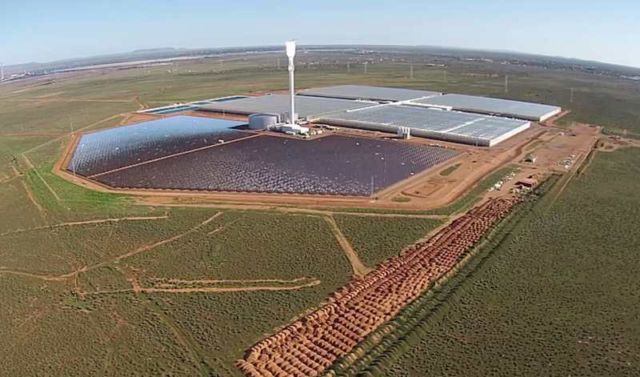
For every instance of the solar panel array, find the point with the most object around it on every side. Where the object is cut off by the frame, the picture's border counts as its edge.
(365, 92)
(496, 106)
(114, 148)
(332, 165)
(306, 107)
(440, 124)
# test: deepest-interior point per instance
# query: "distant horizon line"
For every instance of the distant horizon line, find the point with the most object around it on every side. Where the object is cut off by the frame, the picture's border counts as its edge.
(151, 49)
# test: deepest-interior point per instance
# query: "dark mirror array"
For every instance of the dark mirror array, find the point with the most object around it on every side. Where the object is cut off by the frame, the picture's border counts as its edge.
(102, 151)
(332, 165)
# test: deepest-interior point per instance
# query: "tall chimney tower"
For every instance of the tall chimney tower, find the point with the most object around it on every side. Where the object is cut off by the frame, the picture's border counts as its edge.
(291, 53)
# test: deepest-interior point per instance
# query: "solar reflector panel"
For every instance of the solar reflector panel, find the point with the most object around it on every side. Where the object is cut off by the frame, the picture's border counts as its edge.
(114, 148)
(332, 165)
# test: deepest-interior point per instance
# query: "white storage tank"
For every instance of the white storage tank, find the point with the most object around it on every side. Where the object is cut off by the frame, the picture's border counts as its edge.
(263, 121)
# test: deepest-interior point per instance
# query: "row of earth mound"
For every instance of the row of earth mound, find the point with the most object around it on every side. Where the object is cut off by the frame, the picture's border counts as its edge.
(316, 341)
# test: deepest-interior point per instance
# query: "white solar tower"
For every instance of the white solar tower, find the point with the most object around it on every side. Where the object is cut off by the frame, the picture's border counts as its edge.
(291, 53)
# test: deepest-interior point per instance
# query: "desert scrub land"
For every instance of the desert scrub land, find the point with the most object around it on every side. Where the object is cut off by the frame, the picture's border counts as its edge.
(378, 238)
(559, 296)
(252, 245)
(47, 331)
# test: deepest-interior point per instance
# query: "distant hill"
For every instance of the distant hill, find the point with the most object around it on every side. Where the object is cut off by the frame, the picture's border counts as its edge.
(450, 53)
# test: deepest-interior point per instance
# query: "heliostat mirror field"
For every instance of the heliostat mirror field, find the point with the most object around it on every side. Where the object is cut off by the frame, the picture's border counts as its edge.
(183, 153)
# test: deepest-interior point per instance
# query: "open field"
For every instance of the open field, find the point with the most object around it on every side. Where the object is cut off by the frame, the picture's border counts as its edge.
(556, 296)
(100, 283)
(378, 238)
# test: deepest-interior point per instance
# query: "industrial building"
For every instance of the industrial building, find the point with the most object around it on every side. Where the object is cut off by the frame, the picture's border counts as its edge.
(456, 118)
(368, 93)
(307, 108)
(491, 106)
(204, 153)
(454, 126)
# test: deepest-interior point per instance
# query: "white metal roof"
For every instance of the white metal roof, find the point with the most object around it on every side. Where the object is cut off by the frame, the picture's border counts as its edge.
(485, 105)
(306, 107)
(365, 92)
(447, 125)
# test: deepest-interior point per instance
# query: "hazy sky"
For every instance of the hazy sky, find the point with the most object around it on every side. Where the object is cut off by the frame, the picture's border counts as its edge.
(607, 31)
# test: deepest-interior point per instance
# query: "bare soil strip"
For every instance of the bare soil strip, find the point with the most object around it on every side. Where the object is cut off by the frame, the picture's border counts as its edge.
(393, 215)
(231, 281)
(141, 105)
(288, 210)
(32, 167)
(29, 134)
(7, 180)
(31, 275)
(243, 288)
(27, 161)
(33, 200)
(88, 222)
(359, 269)
(224, 226)
(41, 100)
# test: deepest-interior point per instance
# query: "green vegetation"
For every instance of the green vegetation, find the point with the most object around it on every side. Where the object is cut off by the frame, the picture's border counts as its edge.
(48, 331)
(549, 293)
(222, 326)
(378, 238)
(18, 212)
(105, 278)
(447, 171)
(58, 195)
(64, 249)
(401, 199)
(249, 246)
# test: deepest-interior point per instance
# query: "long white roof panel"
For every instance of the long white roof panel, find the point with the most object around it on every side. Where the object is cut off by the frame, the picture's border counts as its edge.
(495, 106)
(446, 125)
(306, 107)
(366, 92)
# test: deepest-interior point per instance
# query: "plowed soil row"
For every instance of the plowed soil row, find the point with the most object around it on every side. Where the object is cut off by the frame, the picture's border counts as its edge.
(313, 343)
